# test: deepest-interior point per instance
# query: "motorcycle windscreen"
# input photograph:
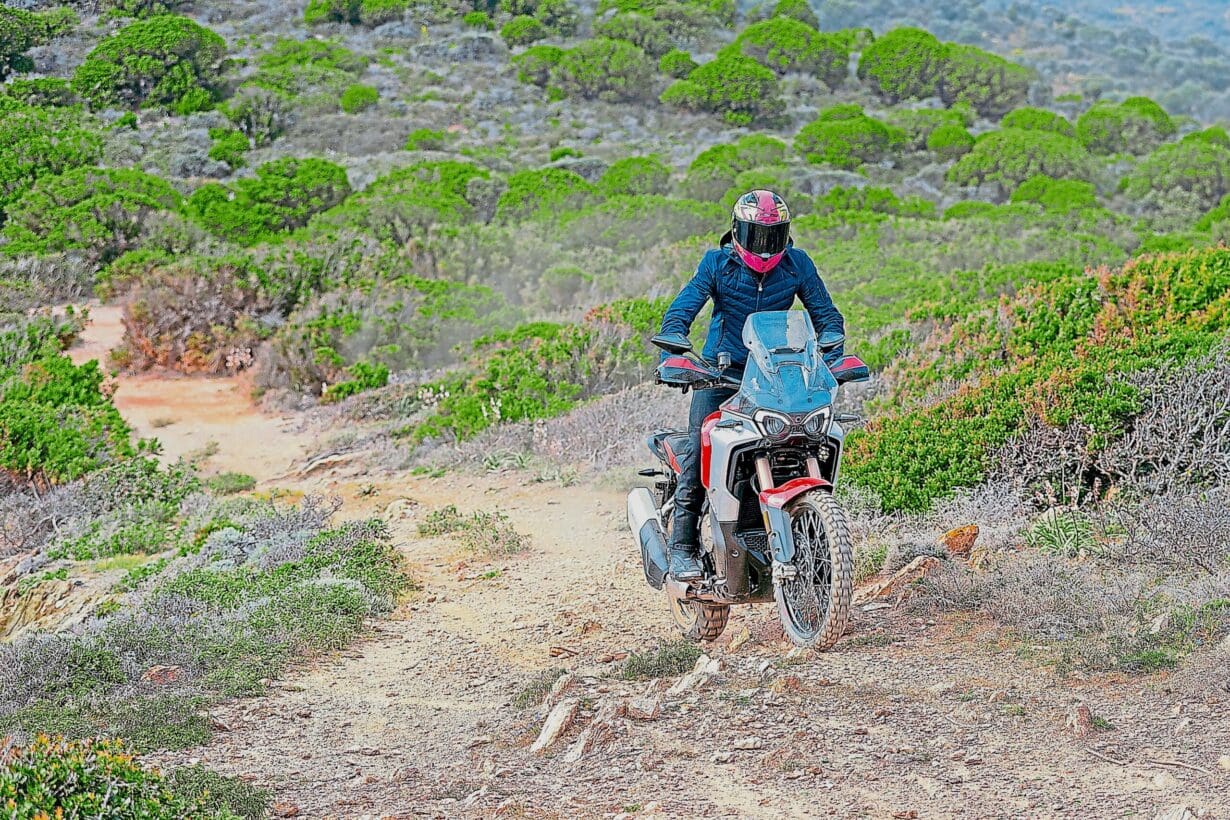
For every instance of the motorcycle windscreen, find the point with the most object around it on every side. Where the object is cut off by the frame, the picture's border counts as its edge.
(785, 367)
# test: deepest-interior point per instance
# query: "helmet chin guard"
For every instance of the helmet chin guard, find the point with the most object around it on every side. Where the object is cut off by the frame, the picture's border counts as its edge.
(760, 229)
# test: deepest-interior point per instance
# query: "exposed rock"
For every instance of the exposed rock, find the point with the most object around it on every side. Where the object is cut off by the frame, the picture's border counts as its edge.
(1178, 812)
(960, 541)
(749, 744)
(740, 638)
(162, 675)
(48, 606)
(786, 683)
(600, 730)
(561, 686)
(898, 581)
(1080, 720)
(14, 567)
(285, 810)
(558, 722)
(645, 708)
(704, 671)
(1223, 763)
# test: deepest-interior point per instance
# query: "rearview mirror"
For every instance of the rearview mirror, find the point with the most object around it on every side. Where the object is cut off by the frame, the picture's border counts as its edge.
(831, 340)
(675, 343)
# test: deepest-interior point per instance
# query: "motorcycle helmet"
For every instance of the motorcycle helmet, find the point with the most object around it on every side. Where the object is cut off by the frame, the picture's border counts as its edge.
(760, 229)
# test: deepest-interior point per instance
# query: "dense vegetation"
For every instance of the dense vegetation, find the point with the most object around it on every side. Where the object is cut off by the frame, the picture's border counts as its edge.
(476, 213)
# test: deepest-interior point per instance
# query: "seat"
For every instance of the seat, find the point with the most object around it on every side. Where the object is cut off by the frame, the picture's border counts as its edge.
(667, 444)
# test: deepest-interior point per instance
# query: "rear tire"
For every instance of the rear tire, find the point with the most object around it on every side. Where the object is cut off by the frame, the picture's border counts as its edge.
(815, 605)
(698, 621)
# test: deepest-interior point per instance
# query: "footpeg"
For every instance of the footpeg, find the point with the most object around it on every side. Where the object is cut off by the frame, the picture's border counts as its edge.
(784, 572)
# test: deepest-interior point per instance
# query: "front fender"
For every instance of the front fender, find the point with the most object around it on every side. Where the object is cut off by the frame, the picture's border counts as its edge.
(777, 522)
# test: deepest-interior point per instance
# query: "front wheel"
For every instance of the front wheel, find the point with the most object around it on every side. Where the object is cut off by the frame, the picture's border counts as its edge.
(815, 604)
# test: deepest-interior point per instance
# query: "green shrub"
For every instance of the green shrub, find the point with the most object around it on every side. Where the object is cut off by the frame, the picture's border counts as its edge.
(800, 10)
(102, 211)
(294, 68)
(363, 376)
(785, 45)
(1214, 135)
(260, 114)
(1135, 126)
(873, 199)
(904, 64)
(282, 196)
(604, 69)
(635, 175)
(543, 192)
(668, 660)
(650, 35)
(164, 61)
(523, 30)
(143, 8)
(950, 141)
(1062, 532)
(21, 30)
(987, 82)
(1198, 167)
(358, 98)
(355, 12)
(477, 19)
(89, 778)
(1038, 119)
(44, 92)
(1057, 195)
(846, 137)
(715, 170)
(534, 65)
(217, 793)
(426, 139)
(230, 483)
(676, 63)
(229, 146)
(1011, 156)
(35, 143)
(739, 88)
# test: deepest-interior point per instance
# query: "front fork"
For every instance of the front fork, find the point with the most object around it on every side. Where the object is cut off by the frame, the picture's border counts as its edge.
(773, 501)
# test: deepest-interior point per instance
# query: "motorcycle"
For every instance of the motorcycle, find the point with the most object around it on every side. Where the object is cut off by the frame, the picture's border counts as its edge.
(769, 460)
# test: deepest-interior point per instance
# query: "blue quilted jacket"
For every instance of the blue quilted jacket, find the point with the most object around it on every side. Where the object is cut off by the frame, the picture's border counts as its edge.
(738, 291)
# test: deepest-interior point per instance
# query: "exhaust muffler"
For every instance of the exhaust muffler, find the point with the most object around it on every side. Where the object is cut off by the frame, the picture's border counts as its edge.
(646, 526)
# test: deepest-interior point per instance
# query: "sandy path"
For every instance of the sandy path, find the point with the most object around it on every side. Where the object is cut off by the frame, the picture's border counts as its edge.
(906, 718)
(189, 414)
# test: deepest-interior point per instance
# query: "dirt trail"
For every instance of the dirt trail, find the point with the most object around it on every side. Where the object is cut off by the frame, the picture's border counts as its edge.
(193, 415)
(906, 718)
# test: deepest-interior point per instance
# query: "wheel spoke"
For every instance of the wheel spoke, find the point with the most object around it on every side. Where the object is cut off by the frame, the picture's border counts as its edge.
(807, 594)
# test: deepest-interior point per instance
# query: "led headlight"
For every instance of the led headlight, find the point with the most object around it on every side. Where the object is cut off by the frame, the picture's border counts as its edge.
(816, 425)
(772, 425)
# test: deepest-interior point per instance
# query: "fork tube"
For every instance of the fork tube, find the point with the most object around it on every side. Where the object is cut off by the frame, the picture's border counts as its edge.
(813, 467)
(764, 474)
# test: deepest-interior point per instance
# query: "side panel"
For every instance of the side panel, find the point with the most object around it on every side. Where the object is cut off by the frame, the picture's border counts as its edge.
(706, 445)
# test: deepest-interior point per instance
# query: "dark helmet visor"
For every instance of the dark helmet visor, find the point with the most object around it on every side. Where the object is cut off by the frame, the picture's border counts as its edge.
(765, 240)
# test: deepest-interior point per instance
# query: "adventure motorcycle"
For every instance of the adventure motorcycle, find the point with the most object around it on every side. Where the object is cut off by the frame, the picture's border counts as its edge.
(769, 461)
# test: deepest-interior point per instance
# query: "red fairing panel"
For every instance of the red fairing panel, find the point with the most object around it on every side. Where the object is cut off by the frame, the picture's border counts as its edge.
(706, 445)
(847, 363)
(671, 459)
(779, 497)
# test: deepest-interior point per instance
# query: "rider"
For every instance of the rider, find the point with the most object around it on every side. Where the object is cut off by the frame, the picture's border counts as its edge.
(755, 268)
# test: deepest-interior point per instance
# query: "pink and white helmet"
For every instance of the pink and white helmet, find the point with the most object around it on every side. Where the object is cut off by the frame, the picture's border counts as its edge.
(760, 228)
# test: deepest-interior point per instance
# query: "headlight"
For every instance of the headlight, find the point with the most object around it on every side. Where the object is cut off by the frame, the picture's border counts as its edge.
(773, 425)
(816, 425)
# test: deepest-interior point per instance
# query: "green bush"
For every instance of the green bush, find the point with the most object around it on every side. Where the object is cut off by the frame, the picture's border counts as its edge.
(918, 123)
(739, 88)
(800, 10)
(426, 139)
(846, 137)
(950, 141)
(635, 175)
(363, 376)
(873, 199)
(90, 778)
(904, 64)
(44, 92)
(534, 65)
(477, 19)
(260, 114)
(21, 30)
(35, 143)
(1038, 119)
(641, 30)
(1198, 167)
(716, 169)
(785, 45)
(604, 69)
(102, 211)
(230, 483)
(297, 68)
(1057, 195)
(1011, 156)
(1214, 135)
(229, 146)
(541, 193)
(1135, 126)
(282, 196)
(987, 82)
(676, 63)
(355, 12)
(220, 794)
(163, 61)
(522, 30)
(142, 8)
(358, 98)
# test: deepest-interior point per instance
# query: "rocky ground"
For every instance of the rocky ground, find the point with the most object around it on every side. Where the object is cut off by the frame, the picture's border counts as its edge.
(909, 716)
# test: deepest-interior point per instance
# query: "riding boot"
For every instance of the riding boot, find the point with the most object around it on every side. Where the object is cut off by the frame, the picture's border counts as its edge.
(685, 547)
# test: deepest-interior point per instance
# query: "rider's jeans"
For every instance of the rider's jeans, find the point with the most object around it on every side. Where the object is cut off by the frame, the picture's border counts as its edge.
(690, 495)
